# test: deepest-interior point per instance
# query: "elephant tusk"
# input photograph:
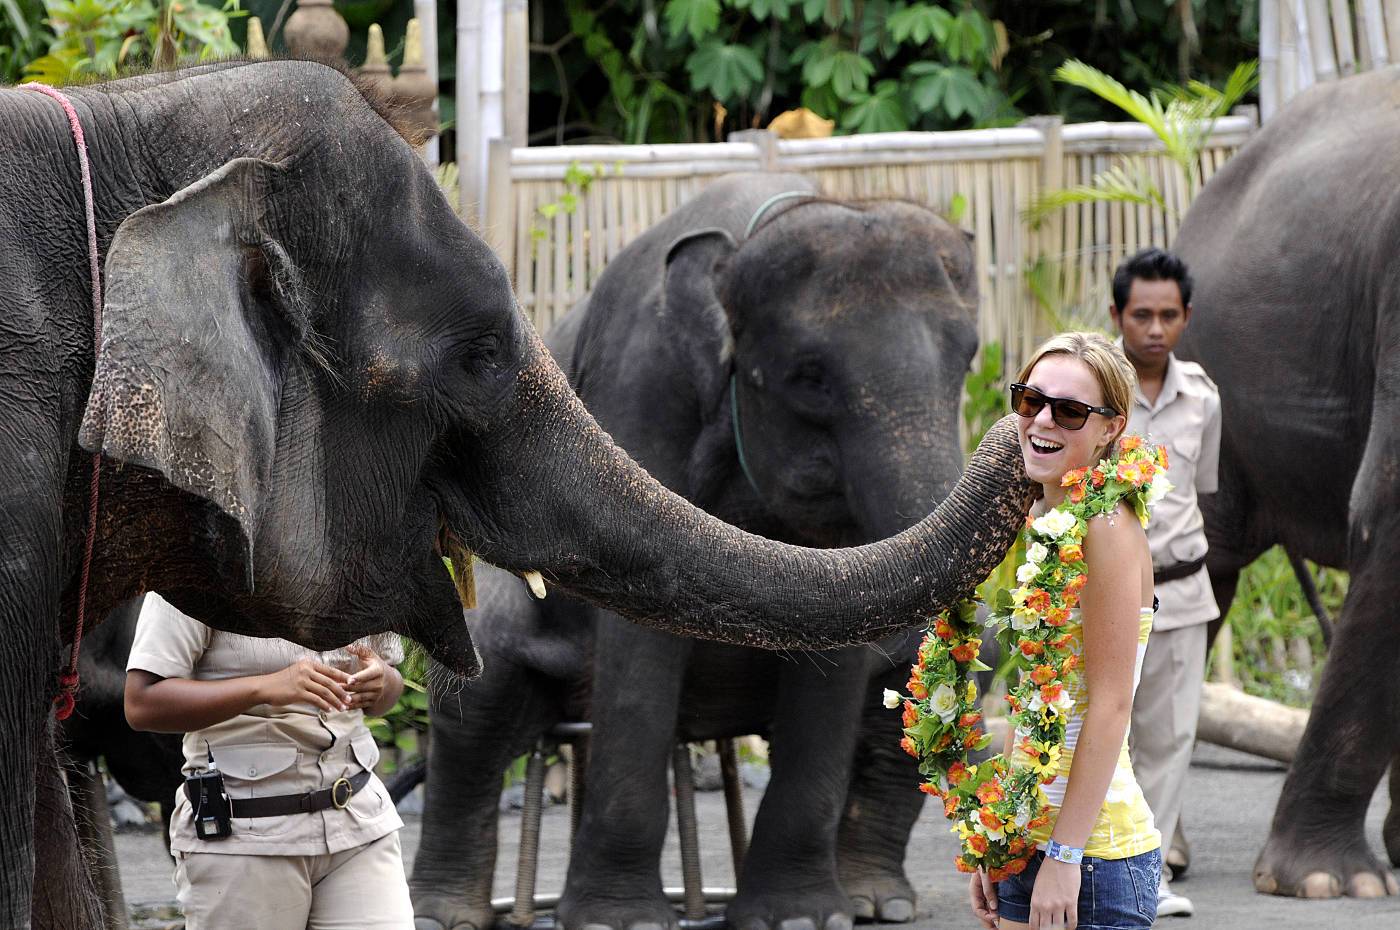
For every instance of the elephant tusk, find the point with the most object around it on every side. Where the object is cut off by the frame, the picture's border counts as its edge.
(536, 582)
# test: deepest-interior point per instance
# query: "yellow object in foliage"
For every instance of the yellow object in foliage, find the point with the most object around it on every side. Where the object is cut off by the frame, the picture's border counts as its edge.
(801, 123)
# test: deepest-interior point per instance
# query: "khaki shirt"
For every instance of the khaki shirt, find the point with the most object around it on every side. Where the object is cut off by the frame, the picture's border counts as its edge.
(267, 750)
(1185, 419)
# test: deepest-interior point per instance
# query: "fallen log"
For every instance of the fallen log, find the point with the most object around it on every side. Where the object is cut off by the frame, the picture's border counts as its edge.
(1236, 720)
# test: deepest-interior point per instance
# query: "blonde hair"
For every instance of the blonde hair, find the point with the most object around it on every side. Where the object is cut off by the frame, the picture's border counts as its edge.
(1110, 366)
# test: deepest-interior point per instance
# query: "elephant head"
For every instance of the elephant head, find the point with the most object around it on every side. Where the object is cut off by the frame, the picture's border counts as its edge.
(841, 333)
(308, 344)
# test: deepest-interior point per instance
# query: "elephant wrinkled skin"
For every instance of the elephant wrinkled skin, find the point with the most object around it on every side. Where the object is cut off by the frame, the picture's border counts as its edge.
(1297, 318)
(313, 378)
(842, 332)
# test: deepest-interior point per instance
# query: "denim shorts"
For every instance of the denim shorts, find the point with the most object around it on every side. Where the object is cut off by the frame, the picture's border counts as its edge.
(1114, 894)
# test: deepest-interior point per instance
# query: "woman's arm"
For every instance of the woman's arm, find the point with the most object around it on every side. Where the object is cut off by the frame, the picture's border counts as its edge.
(1109, 608)
(179, 705)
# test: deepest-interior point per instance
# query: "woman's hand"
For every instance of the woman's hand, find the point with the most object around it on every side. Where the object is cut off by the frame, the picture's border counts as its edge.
(1055, 899)
(306, 681)
(377, 685)
(983, 892)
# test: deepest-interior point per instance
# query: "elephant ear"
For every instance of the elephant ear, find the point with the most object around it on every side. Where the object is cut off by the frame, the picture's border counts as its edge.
(695, 263)
(195, 321)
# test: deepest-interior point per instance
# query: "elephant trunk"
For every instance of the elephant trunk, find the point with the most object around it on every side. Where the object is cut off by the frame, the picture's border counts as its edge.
(593, 522)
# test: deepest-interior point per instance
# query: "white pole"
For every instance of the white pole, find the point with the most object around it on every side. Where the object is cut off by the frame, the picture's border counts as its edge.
(1370, 10)
(470, 161)
(1268, 59)
(492, 123)
(1320, 31)
(426, 12)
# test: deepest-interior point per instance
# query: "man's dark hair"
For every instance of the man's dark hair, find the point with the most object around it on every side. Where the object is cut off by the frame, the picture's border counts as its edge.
(1151, 264)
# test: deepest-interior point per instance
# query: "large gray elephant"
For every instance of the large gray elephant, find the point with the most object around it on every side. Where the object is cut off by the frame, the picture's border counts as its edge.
(312, 382)
(1297, 318)
(793, 365)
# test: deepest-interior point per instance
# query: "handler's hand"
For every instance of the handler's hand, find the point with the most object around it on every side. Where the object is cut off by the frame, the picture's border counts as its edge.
(984, 899)
(307, 681)
(1055, 900)
(367, 685)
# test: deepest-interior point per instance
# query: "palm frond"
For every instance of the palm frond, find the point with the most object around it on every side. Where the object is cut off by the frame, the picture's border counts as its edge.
(1123, 183)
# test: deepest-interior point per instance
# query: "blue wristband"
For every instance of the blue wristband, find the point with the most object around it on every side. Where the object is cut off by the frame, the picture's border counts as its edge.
(1068, 854)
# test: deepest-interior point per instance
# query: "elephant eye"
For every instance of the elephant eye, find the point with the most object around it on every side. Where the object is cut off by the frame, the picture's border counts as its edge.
(484, 346)
(808, 374)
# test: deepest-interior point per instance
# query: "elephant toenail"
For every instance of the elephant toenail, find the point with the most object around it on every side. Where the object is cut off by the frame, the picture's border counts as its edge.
(1320, 885)
(798, 923)
(1265, 883)
(426, 923)
(897, 910)
(598, 927)
(1366, 885)
(646, 925)
(753, 923)
(839, 922)
(863, 907)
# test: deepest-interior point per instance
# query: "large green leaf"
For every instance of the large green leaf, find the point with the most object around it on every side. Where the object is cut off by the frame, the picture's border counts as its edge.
(919, 23)
(953, 89)
(881, 111)
(729, 72)
(699, 18)
(765, 9)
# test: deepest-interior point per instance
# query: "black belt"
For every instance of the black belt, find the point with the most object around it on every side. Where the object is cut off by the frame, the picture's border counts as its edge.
(337, 795)
(1178, 571)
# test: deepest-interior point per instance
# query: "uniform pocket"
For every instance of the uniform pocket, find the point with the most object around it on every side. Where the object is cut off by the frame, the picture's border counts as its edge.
(246, 768)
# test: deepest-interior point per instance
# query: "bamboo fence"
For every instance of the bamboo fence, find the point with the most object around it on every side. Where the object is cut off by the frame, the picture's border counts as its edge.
(555, 254)
(1307, 42)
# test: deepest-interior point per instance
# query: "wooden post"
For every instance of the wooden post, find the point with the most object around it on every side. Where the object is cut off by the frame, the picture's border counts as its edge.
(1224, 662)
(470, 170)
(517, 73)
(1236, 720)
(498, 220)
(1268, 58)
(765, 140)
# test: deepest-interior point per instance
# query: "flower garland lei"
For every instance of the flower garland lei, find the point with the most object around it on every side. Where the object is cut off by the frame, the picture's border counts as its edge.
(995, 805)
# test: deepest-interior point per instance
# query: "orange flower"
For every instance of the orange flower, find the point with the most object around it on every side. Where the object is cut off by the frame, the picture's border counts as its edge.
(978, 844)
(998, 875)
(950, 806)
(1051, 693)
(1057, 616)
(1041, 675)
(911, 714)
(1016, 846)
(1070, 664)
(929, 787)
(1162, 457)
(907, 744)
(1073, 476)
(989, 818)
(963, 865)
(965, 652)
(1038, 601)
(1030, 648)
(1016, 867)
(942, 742)
(1064, 642)
(1076, 494)
(1130, 443)
(970, 719)
(1076, 584)
(957, 773)
(916, 688)
(1038, 822)
(1097, 478)
(1071, 600)
(990, 792)
(1072, 552)
(943, 629)
(973, 735)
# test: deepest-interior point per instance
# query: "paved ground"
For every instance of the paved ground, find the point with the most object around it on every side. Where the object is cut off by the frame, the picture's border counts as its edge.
(1227, 818)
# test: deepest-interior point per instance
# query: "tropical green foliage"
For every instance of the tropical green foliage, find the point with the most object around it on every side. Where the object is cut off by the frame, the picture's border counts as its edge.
(97, 37)
(23, 37)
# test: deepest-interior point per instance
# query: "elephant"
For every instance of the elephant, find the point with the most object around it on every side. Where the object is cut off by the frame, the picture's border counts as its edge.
(793, 365)
(1297, 318)
(313, 384)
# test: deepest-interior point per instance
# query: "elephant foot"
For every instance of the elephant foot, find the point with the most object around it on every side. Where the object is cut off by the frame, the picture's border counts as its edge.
(1299, 869)
(791, 908)
(437, 912)
(886, 898)
(641, 912)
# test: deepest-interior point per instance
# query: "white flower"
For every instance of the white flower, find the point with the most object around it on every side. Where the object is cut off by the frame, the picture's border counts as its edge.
(892, 699)
(1160, 488)
(1026, 573)
(944, 702)
(1036, 553)
(1055, 524)
(1023, 619)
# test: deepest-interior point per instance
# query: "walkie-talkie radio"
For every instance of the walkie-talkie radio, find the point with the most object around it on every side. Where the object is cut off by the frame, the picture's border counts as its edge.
(212, 811)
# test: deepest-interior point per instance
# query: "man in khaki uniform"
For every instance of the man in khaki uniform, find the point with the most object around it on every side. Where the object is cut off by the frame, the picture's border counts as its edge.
(314, 840)
(1176, 405)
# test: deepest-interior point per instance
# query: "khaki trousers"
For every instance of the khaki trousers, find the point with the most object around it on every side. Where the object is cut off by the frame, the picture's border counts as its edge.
(359, 889)
(1165, 710)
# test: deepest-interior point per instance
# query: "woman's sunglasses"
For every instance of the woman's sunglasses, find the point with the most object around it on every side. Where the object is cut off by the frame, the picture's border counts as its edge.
(1026, 401)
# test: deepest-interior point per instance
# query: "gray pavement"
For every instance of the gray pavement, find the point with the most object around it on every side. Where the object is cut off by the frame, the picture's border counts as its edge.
(1227, 817)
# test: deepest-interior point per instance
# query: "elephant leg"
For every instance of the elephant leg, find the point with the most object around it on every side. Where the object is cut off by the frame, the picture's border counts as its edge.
(1316, 845)
(476, 733)
(64, 895)
(882, 805)
(614, 878)
(1390, 830)
(789, 878)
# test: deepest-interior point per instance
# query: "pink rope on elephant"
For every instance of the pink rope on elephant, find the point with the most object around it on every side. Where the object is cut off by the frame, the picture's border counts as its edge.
(68, 681)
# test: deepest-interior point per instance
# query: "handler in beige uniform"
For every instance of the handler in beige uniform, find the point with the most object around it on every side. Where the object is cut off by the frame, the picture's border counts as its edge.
(286, 728)
(1176, 405)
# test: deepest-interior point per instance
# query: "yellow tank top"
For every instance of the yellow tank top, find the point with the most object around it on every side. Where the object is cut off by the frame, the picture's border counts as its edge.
(1124, 826)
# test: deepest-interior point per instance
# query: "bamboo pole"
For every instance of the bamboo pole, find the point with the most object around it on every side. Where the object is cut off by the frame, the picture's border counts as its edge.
(425, 11)
(1370, 12)
(1320, 39)
(471, 169)
(1391, 10)
(1341, 35)
(1306, 73)
(498, 220)
(1268, 58)
(516, 72)
(1287, 52)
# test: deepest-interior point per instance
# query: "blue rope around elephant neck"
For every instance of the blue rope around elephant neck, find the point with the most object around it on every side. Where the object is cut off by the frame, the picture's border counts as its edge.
(738, 436)
(769, 204)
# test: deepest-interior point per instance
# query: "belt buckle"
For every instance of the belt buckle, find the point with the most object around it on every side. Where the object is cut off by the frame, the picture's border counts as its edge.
(336, 801)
